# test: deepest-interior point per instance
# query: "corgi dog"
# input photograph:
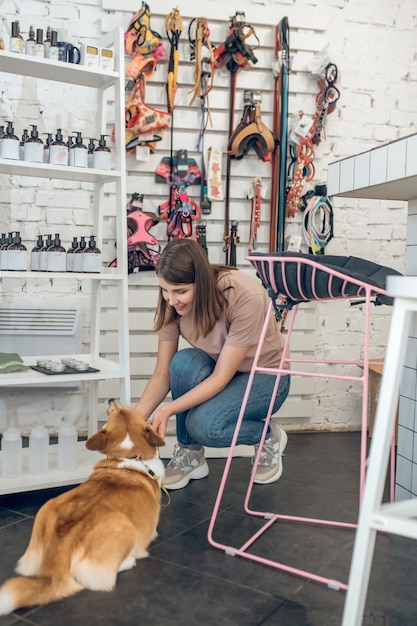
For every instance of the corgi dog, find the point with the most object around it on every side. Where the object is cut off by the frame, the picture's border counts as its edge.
(84, 537)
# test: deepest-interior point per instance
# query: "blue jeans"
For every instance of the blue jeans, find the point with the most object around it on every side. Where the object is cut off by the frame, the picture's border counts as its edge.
(213, 422)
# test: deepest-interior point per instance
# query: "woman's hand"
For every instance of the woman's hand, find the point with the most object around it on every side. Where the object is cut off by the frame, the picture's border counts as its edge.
(160, 420)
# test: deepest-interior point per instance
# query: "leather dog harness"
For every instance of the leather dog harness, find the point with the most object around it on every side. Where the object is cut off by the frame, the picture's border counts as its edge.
(252, 133)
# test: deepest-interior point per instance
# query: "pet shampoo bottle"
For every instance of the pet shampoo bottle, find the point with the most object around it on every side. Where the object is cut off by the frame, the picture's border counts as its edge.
(67, 447)
(11, 445)
(38, 450)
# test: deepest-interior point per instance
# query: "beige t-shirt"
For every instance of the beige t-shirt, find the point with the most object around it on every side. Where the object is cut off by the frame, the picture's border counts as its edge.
(240, 325)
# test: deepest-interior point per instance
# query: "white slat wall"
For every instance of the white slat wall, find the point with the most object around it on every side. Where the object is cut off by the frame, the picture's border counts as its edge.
(307, 37)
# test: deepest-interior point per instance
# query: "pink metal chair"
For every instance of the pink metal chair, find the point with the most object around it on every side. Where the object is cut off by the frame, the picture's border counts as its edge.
(291, 279)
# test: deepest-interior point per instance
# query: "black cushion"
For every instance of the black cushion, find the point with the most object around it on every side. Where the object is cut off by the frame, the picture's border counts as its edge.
(305, 282)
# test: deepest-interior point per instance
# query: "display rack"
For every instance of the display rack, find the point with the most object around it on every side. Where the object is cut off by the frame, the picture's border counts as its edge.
(110, 86)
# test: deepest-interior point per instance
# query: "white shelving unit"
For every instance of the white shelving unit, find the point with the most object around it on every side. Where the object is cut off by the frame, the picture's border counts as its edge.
(109, 85)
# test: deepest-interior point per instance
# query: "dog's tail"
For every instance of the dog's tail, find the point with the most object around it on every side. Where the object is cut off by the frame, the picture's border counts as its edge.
(24, 591)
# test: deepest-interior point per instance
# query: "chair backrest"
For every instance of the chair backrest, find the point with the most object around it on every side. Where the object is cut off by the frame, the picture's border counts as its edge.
(297, 277)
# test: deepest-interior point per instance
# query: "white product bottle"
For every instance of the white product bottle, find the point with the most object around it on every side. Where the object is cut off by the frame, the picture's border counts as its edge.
(67, 447)
(102, 155)
(11, 445)
(58, 150)
(56, 257)
(92, 258)
(17, 260)
(78, 265)
(79, 152)
(35, 255)
(38, 450)
(10, 144)
(33, 148)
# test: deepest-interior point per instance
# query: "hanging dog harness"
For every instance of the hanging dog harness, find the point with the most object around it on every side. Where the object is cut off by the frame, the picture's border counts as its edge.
(252, 133)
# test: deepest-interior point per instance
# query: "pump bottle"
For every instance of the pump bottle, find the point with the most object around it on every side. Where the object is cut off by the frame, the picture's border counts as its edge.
(25, 136)
(46, 147)
(33, 148)
(92, 258)
(35, 255)
(79, 256)
(80, 152)
(58, 150)
(10, 144)
(102, 155)
(43, 258)
(91, 148)
(70, 254)
(3, 252)
(17, 255)
(56, 257)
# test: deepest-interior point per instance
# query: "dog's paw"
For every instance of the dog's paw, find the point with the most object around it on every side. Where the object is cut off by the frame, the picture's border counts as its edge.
(128, 563)
(29, 564)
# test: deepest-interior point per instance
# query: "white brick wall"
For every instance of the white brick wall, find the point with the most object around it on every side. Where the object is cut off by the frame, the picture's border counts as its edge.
(373, 45)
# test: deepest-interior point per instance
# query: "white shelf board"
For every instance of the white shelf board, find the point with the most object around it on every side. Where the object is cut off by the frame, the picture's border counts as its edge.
(107, 370)
(54, 478)
(57, 71)
(402, 189)
(62, 172)
(110, 274)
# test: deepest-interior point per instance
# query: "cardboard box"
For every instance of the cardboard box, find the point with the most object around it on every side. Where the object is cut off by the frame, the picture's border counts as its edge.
(375, 375)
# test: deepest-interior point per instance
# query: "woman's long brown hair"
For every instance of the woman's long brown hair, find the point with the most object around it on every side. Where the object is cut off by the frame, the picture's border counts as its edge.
(184, 262)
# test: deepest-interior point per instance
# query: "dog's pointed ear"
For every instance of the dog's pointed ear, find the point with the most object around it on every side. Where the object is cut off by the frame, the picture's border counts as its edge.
(152, 436)
(112, 406)
(97, 441)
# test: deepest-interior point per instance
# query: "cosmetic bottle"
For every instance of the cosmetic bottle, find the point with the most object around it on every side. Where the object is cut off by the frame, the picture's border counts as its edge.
(43, 257)
(102, 155)
(39, 49)
(46, 147)
(11, 453)
(10, 144)
(3, 252)
(58, 150)
(33, 148)
(79, 256)
(30, 42)
(92, 258)
(80, 152)
(17, 43)
(70, 255)
(35, 255)
(70, 145)
(91, 148)
(53, 50)
(67, 447)
(56, 257)
(17, 255)
(38, 450)
(25, 136)
(47, 43)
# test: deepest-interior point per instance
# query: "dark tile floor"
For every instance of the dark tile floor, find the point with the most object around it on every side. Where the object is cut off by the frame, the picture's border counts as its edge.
(187, 582)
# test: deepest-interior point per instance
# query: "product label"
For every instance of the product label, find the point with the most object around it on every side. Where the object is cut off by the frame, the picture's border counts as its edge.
(58, 155)
(80, 157)
(17, 260)
(102, 160)
(92, 262)
(10, 149)
(56, 261)
(33, 151)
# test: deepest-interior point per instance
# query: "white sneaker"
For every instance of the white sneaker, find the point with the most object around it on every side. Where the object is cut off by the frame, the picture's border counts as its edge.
(270, 465)
(185, 465)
